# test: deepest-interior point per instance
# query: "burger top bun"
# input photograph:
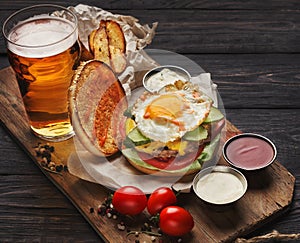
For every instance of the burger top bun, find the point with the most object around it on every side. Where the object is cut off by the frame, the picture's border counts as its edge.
(96, 102)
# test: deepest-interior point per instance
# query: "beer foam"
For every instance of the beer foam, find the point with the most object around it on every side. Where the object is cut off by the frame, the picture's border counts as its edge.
(42, 37)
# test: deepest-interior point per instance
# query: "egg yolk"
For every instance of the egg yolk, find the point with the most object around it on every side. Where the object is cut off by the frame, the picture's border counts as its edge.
(167, 107)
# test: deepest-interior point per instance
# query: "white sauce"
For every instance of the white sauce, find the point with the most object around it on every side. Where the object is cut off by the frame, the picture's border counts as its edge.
(219, 188)
(163, 78)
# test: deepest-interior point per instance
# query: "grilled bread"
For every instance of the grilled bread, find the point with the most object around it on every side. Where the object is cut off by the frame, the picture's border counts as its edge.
(101, 45)
(107, 44)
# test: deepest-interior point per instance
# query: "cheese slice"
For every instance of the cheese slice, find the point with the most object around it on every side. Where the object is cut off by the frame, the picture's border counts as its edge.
(177, 145)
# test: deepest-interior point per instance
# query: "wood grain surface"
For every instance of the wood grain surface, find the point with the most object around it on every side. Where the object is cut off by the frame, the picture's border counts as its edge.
(252, 51)
(269, 193)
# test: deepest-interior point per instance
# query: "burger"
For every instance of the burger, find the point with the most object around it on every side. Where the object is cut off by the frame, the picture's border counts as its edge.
(173, 131)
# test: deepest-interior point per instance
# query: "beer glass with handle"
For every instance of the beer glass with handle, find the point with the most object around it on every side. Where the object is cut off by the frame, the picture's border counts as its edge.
(43, 50)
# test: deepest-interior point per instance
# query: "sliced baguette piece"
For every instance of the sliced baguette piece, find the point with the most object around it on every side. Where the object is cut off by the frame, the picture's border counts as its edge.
(117, 46)
(100, 101)
(115, 35)
(100, 44)
(107, 43)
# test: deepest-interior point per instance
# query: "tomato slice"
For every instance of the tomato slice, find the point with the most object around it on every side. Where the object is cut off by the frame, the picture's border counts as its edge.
(174, 163)
(180, 162)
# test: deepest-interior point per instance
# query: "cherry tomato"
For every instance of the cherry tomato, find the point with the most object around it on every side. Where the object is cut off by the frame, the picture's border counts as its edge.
(129, 200)
(159, 199)
(175, 221)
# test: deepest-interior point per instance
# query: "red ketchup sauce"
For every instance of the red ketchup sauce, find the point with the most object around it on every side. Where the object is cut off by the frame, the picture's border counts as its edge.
(249, 152)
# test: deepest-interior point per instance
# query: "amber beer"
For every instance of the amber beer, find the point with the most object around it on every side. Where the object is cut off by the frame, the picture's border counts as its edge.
(43, 51)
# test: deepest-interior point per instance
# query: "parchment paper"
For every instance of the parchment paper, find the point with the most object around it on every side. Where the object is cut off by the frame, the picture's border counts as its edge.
(137, 37)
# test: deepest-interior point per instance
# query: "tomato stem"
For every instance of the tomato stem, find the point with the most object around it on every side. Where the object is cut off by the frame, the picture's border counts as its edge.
(177, 193)
(155, 218)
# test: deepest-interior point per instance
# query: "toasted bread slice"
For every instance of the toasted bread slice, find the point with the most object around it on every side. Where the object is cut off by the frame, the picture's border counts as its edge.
(101, 45)
(107, 43)
(115, 35)
(117, 46)
(100, 102)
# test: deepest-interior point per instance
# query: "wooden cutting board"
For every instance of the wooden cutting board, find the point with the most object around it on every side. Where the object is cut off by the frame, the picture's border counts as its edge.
(269, 193)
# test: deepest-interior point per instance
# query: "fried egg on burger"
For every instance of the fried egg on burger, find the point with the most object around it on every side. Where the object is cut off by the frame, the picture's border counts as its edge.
(167, 115)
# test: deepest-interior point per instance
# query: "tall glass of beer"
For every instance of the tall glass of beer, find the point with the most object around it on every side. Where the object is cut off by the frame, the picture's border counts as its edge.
(43, 50)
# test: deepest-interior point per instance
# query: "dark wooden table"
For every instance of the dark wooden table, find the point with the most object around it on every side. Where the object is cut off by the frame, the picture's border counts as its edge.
(251, 48)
